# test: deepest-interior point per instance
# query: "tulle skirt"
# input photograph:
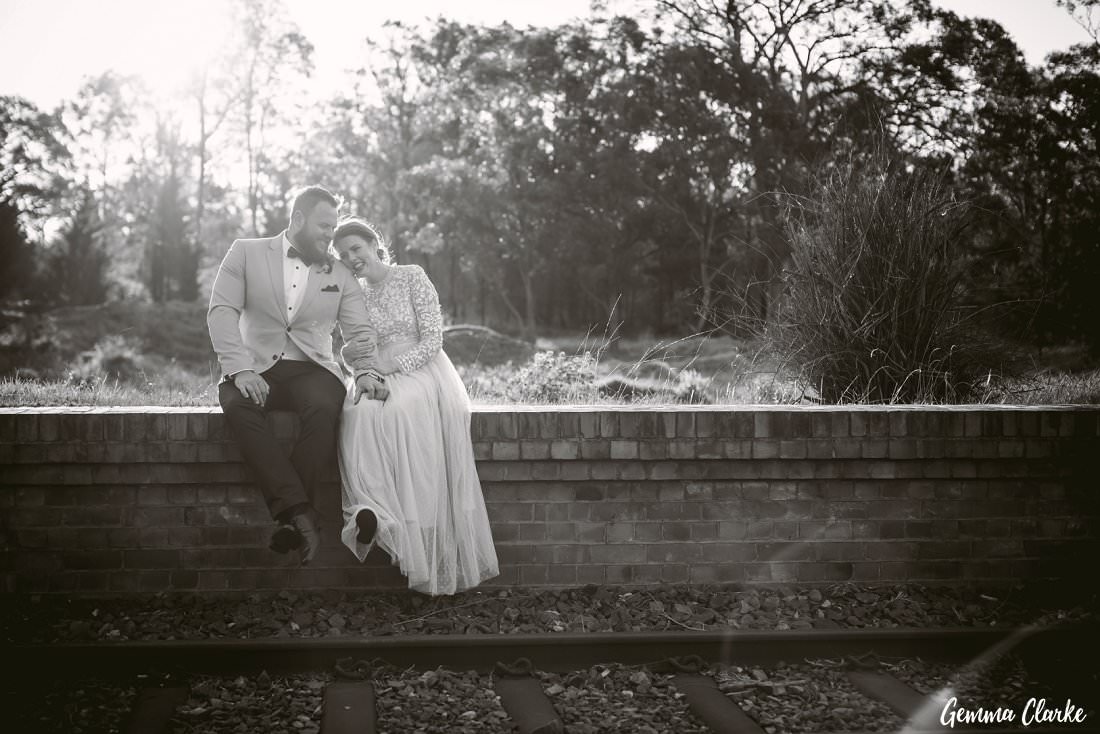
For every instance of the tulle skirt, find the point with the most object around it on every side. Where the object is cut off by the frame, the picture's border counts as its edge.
(410, 460)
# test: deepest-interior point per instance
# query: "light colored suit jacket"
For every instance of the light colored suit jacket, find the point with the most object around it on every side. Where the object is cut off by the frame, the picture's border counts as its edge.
(248, 320)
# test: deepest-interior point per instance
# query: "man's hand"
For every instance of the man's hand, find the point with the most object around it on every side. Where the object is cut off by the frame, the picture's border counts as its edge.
(252, 386)
(359, 350)
(372, 388)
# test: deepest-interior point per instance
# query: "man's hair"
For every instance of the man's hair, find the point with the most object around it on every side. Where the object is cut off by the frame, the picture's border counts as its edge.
(307, 198)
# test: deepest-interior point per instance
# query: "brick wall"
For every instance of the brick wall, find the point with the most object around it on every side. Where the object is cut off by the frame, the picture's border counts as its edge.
(140, 500)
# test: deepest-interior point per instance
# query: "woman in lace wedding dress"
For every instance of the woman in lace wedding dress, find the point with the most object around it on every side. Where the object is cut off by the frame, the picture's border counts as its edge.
(407, 462)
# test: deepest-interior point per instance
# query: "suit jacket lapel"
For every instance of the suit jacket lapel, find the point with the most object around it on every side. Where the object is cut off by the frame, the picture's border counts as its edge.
(275, 256)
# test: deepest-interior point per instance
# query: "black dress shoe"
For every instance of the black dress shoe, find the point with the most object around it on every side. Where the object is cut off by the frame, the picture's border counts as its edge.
(285, 539)
(310, 533)
(367, 523)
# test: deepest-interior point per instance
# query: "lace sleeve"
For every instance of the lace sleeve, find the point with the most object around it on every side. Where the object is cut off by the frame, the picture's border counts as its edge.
(429, 323)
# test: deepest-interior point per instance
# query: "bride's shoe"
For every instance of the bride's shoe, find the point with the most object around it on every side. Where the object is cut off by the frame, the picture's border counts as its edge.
(367, 523)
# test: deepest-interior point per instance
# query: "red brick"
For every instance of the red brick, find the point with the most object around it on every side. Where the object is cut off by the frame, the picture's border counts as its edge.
(1000, 548)
(874, 448)
(564, 450)
(617, 554)
(762, 449)
(94, 515)
(533, 575)
(568, 425)
(534, 450)
(683, 449)
(562, 575)
(704, 531)
(670, 493)
(532, 532)
(546, 471)
(835, 571)
(619, 574)
(866, 529)
(574, 471)
(676, 531)
(944, 549)
(183, 537)
(92, 560)
(736, 450)
(555, 512)
(726, 552)
(590, 575)
(792, 449)
(517, 471)
(505, 451)
(595, 449)
(509, 512)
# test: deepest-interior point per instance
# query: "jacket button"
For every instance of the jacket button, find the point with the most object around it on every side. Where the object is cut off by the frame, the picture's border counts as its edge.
(288, 329)
(274, 356)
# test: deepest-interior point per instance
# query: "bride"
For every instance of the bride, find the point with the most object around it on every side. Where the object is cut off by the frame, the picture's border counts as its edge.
(407, 463)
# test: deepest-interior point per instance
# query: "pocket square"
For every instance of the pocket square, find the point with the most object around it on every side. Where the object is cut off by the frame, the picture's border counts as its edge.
(331, 289)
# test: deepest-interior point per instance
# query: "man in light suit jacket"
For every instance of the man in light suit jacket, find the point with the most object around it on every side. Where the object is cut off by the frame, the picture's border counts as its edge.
(272, 313)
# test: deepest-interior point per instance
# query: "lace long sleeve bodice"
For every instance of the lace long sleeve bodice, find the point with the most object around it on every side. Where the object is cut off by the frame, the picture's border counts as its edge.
(405, 308)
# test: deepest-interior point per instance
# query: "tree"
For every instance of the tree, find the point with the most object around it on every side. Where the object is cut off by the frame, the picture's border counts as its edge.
(787, 66)
(33, 162)
(273, 62)
(77, 263)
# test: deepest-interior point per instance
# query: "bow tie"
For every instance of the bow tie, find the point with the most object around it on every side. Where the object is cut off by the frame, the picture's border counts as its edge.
(295, 254)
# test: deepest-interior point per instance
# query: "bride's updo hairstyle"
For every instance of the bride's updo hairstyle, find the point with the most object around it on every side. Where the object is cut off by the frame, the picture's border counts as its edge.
(366, 230)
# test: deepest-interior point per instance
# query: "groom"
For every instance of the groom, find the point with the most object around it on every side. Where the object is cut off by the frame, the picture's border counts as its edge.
(272, 312)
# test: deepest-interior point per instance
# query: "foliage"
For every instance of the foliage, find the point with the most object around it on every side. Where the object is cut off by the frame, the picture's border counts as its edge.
(873, 308)
(76, 266)
(173, 390)
(555, 378)
(114, 359)
(544, 177)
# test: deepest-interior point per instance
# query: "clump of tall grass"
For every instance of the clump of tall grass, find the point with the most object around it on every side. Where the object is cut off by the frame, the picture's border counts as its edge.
(165, 391)
(554, 378)
(113, 358)
(872, 309)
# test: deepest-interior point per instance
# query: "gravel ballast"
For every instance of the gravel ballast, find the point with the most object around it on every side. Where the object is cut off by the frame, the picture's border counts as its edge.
(587, 609)
(811, 696)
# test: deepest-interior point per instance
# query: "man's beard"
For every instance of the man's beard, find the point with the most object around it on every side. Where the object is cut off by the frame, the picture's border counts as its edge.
(310, 248)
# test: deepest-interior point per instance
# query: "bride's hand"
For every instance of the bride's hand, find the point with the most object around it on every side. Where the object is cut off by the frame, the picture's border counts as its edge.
(387, 365)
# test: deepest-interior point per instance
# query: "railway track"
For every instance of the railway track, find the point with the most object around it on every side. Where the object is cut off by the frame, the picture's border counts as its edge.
(713, 677)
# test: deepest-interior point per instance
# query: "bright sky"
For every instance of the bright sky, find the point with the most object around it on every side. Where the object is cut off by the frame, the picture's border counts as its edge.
(48, 46)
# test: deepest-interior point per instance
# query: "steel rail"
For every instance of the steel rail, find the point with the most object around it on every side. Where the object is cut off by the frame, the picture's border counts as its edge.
(550, 652)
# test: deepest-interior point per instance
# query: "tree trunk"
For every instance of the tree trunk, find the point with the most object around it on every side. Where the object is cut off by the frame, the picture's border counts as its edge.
(529, 321)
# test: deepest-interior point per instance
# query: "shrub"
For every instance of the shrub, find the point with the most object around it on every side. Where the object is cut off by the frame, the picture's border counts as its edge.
(872, 305)
(113, 358)
(554, 377)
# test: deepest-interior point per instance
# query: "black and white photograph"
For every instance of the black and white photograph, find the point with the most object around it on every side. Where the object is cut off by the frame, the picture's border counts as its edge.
(585, 367)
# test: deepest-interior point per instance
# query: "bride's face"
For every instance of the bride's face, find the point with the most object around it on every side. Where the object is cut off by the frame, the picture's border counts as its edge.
(356, 253)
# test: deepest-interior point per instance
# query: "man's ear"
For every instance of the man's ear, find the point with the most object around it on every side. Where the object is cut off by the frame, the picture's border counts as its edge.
(297, 219)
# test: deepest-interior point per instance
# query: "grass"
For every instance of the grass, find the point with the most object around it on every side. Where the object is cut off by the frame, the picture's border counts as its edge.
(17, 392)
(485, 387)
(155, 356)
